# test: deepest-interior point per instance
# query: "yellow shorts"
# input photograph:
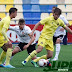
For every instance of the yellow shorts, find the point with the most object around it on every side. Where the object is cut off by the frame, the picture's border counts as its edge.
(2, 42)
(48, 44)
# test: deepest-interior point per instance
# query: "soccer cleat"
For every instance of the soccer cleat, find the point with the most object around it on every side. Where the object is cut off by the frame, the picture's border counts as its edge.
(1, 65)
(34, 63)
(23, 63)
(9, 66)
(49, 64)
(55, 59)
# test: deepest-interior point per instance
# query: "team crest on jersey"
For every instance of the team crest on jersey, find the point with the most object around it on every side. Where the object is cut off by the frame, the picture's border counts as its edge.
(22, 32)
(41, 42)
(52, 22)
(58, 24)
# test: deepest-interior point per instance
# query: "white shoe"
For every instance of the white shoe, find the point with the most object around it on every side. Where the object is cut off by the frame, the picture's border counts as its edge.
(55, 59)
(9, 66)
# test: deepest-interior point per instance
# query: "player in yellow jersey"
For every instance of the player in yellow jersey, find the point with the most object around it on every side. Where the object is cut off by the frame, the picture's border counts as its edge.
(46, 38)
(5, 44)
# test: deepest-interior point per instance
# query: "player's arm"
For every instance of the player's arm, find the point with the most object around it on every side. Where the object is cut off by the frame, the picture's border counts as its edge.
(28, 31)
(35, 27)
(65, 22)
(12, 28)
(65, 27)
(4, 33)
(32, 39)
(5, 28)
(42, 22)
(68, 29)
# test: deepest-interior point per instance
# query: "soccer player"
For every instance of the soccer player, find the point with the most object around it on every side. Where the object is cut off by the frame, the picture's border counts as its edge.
(5, 44)
(46, 38)
(26, 40)
(59, 35)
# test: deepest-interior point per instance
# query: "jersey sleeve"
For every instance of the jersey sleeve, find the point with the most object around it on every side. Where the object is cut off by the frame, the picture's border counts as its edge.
(44, 21)
(28, 30)
(6, 24)
(62, 24)
(64, 20)
(4, 34)
(12, 28)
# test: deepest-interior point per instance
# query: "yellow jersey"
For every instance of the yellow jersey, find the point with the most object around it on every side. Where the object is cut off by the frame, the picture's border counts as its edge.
(4, 23)
(50, 25)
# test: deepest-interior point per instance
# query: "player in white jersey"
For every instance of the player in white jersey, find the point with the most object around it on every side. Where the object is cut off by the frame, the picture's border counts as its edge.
(59, 35)
(26, 40)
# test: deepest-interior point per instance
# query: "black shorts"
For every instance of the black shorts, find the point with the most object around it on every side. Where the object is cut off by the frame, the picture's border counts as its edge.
(55, 38)
(29, 49)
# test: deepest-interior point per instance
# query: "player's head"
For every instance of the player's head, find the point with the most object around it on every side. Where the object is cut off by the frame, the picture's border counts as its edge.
(57, 13)
(21, 23)
(53, 9)
(13, 12)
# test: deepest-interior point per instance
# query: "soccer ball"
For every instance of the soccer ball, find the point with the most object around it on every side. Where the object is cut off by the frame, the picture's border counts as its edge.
(42, 62)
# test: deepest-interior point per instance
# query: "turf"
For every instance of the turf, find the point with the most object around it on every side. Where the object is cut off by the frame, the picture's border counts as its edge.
(65, 55)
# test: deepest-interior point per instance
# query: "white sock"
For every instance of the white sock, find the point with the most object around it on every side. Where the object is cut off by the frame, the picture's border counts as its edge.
(57, 51)
(10, 59)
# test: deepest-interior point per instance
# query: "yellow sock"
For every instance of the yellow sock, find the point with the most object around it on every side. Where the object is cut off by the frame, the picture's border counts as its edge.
(42, 57)
(2, 56)
(8, 55)
(31, 55)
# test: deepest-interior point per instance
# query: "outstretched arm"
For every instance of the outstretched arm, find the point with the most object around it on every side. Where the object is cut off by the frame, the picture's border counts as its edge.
(68, 29)
(35, 27)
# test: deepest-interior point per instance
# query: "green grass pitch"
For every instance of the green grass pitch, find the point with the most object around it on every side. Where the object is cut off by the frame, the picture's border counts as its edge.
(65, 55)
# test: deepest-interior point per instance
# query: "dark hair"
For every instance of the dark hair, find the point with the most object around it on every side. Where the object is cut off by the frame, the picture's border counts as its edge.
(58, 11)
(21, 20)
(54, 7)
(12, 10)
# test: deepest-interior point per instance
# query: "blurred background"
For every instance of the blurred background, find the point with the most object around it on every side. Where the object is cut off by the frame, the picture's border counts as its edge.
(33, 11)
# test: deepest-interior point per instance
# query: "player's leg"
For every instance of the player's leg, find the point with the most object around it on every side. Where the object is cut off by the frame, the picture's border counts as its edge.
(16, 50)
(49, 49)
(3, 54)
(30, 49)
(7, 47)
(32, 54)
(49, 55)
(58, 41)
(57, 49)
(41, 44)
(8, 55)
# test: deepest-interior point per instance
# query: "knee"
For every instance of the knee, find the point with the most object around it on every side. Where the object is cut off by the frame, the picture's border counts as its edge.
(49, 56)
(58, 41)
(38, 50)
(10, 46)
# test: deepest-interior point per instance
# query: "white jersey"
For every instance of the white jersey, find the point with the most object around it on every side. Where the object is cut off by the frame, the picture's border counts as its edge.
(22, 34)
(58, 32)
